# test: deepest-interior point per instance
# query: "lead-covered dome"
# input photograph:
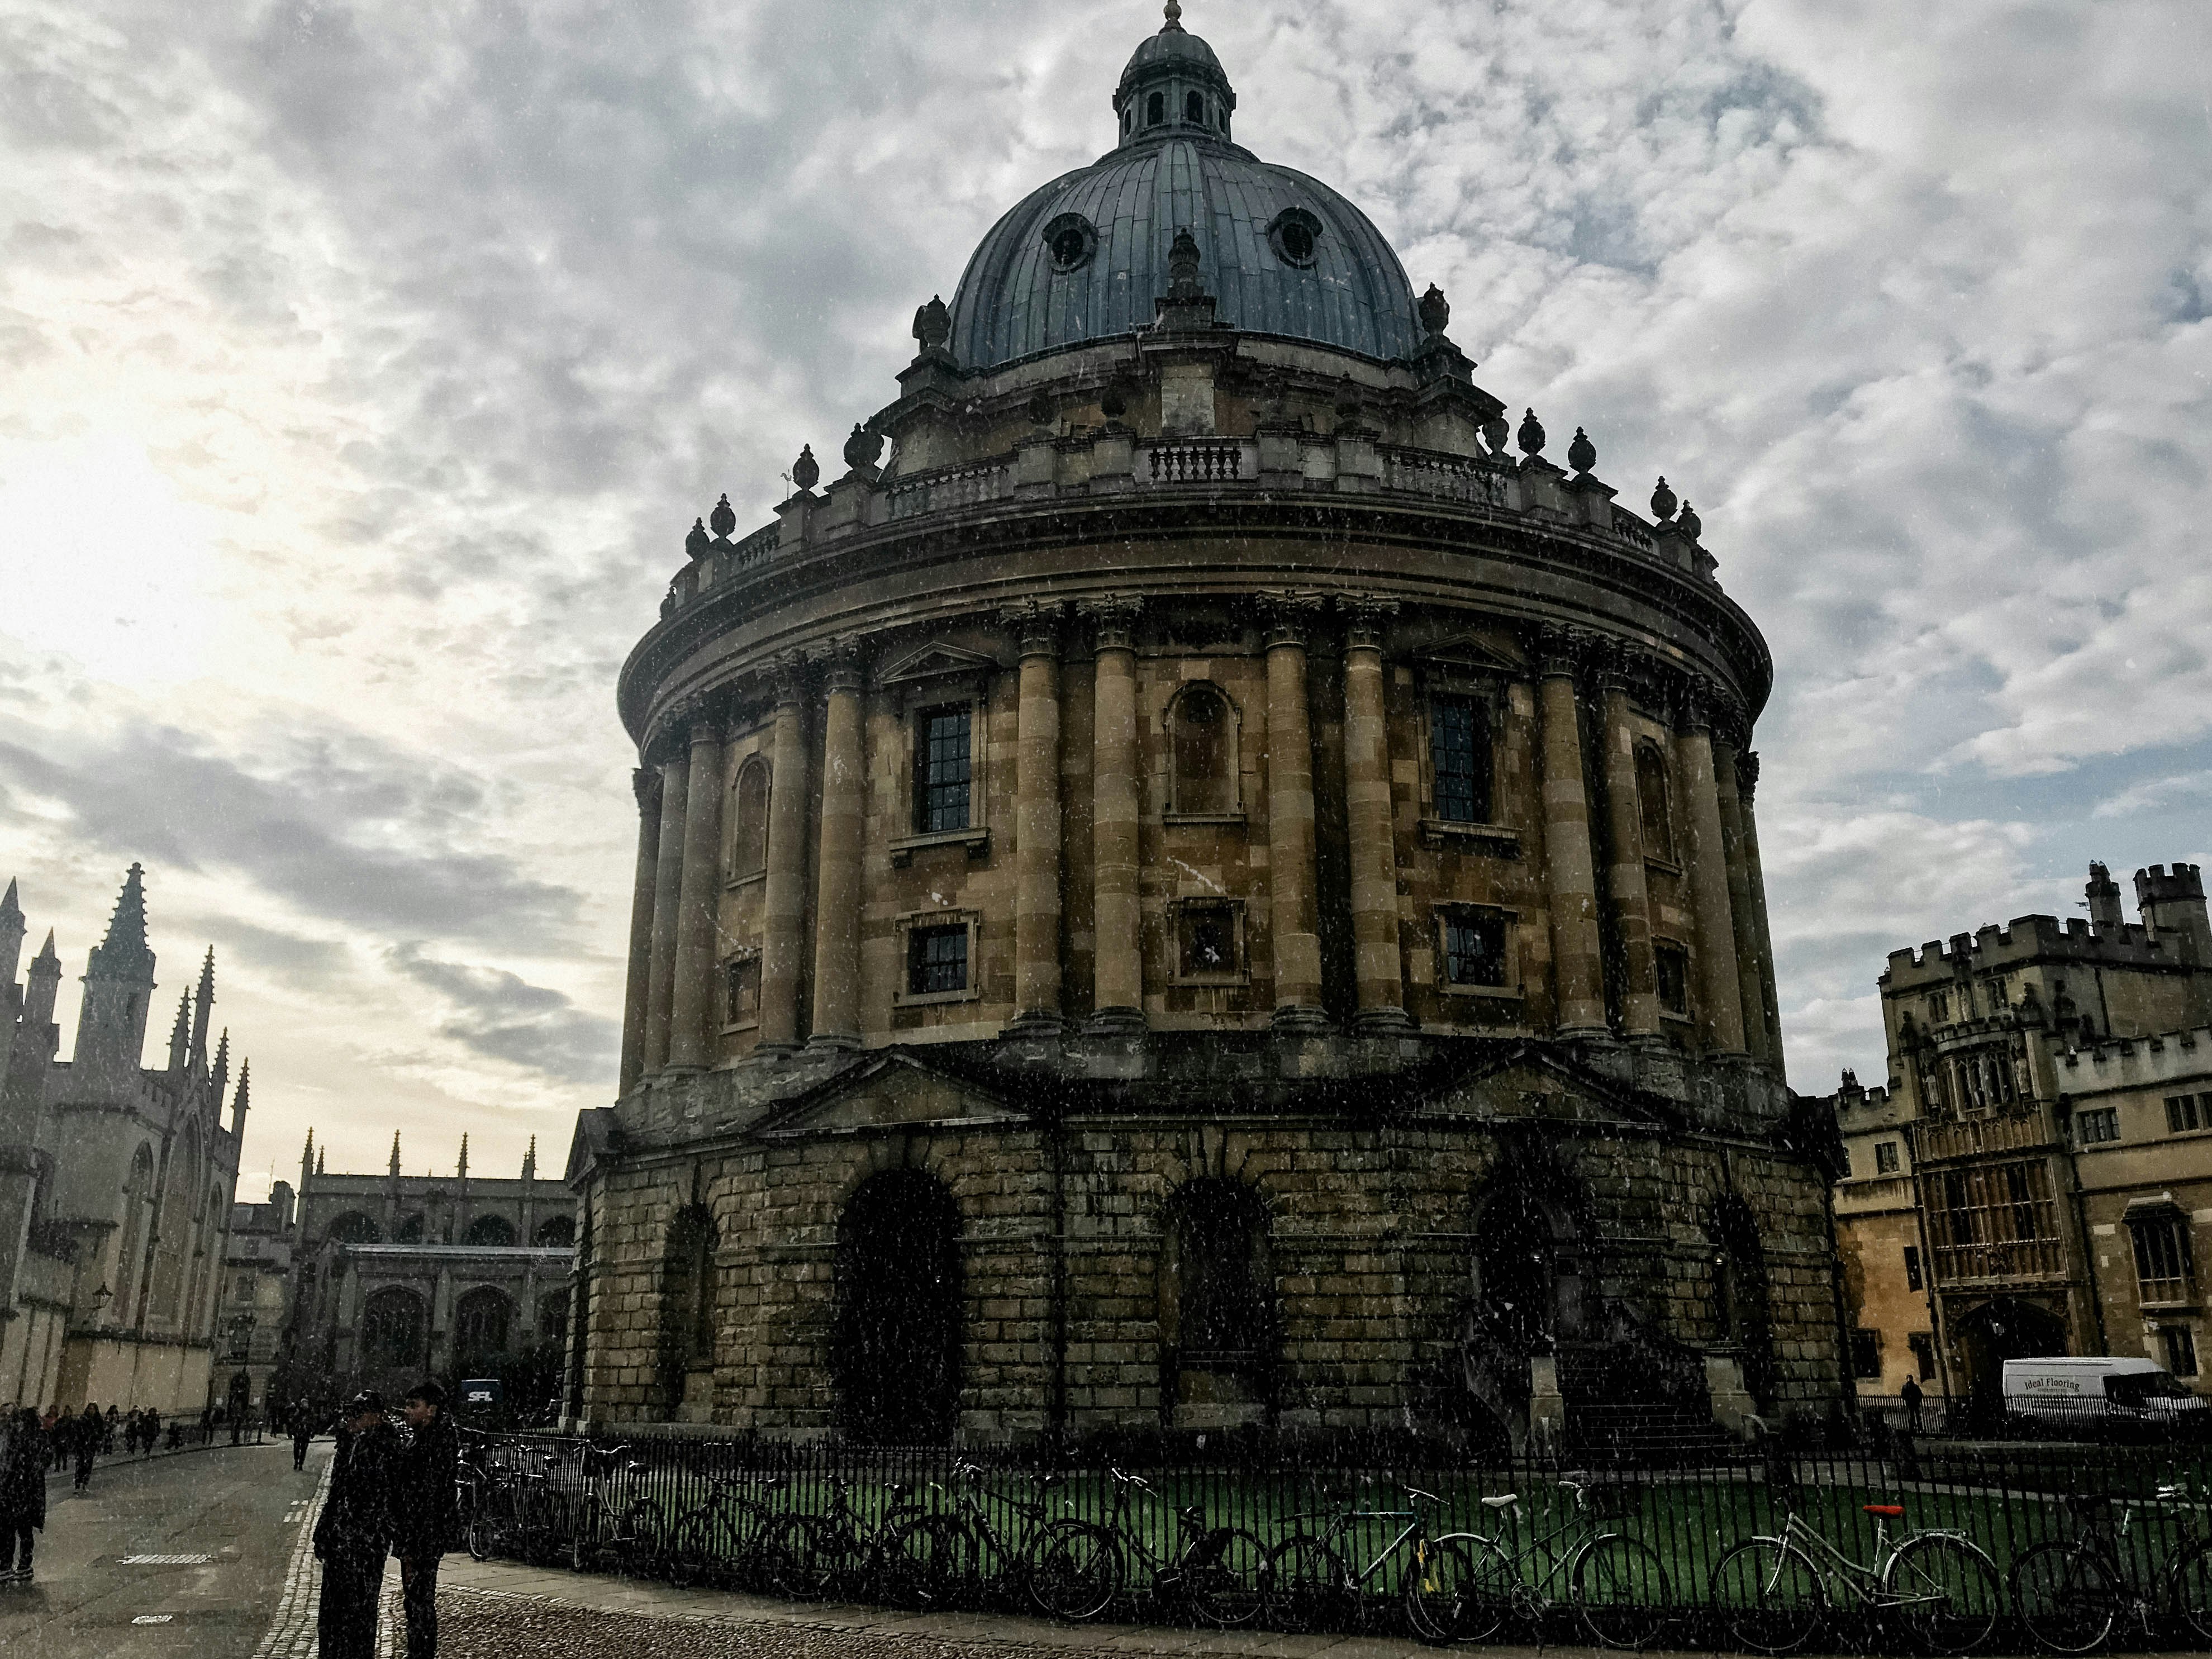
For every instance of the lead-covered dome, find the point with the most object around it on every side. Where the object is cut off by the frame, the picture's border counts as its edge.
(1086, 257)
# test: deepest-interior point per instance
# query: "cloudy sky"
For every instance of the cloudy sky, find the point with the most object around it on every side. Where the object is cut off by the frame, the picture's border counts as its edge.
(366, 361)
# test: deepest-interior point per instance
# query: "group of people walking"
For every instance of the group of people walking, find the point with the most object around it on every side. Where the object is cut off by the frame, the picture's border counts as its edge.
(392, 1493)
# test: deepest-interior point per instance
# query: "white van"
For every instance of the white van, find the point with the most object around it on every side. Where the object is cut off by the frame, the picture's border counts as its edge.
(2056, 1393)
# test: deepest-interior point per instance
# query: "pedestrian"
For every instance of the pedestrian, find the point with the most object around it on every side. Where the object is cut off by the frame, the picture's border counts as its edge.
(303, 1431)
(107, 1432)
(1911, 1394)
(353, 1534)
(88, 1430)
(425, 1511)
(23, 1493)
(49, 1426)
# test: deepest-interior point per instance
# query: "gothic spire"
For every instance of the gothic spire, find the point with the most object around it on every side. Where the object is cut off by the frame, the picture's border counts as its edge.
(240, 1101)
(465, 1155)
(10, 909)
(203, 1007)
(221, 1066)
(180, 1033)
(46, 953)
(124, 954)
(395, 1151)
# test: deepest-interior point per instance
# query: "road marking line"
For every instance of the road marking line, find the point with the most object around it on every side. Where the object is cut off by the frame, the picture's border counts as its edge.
(167, 1560)
(153, 1617)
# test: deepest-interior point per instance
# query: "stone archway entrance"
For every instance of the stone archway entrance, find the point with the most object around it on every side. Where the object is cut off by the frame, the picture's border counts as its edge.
(895, 1346)
(2005, 1329)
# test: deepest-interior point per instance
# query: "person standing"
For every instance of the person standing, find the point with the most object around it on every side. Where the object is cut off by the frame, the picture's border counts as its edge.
(89, 1428)
(1912, 1395)
(354, 1532)
(303, 1431)
(23, 1493)
(425, 1512)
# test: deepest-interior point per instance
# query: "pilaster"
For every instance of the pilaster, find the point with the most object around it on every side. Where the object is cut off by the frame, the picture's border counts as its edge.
(837, 902)
(1289, 621)
(1379, 970)
(1119, 1000)
(1570, 877)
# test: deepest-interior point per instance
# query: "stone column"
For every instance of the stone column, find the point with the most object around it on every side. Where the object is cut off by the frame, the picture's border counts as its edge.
(645, 784)
(1035, 628)
(783, 898)
(1379, 970)
(1291, 871)
(1570, 875)
(1747, 783)
(1757, 1042)
(691, 1017)
(837, 893)
(1625, 878)
(667, 891)
(1117, 926)
(1720, 996)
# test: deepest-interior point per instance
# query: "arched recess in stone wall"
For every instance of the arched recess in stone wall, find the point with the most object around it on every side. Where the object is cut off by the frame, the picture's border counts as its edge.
(483, 1329)
(556, 1233)
(1220, 1340)
(749, 820)
(353, 1228)
(410, 1229)
(1528, 1291)
(1204, 740)
(1742, 1300)
(394, 1329)
(895, 1338)
(687, 1309)
(493, 1231)
(130, 1260)
(177, 1228)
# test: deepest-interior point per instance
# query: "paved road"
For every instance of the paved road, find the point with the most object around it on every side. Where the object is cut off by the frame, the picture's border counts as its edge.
(239, 1507)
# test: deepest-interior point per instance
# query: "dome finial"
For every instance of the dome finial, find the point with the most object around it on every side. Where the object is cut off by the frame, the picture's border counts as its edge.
(1174, 24)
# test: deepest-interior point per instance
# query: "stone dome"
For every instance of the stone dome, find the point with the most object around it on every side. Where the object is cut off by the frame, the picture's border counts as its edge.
(1086, 257)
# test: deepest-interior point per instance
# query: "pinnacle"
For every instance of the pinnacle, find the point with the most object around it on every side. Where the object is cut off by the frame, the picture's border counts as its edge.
(8, 905)
(124, 951)
(46, 953)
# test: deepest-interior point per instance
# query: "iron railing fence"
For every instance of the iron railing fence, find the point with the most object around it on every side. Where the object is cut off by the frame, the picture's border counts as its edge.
(971, 1522)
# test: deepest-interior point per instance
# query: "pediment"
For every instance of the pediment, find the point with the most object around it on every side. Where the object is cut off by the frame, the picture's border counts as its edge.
(936, 662)
(1532, 1086)
(895, 1094)
(1470, 653)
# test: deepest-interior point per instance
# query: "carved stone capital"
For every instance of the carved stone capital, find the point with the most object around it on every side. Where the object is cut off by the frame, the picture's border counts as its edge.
(1036, 625)
(1366, 618)
(645, 784)
(787, 678)
(1621, 665)
(1563, 651)
(1747, 774)
(1289, 619)
(1113, 622)
(844, 666)
(1696, 699)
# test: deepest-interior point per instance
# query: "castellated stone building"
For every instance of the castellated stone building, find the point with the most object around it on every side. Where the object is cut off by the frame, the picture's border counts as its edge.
(2036, 1177)
(116, 1178)
(1191, 886)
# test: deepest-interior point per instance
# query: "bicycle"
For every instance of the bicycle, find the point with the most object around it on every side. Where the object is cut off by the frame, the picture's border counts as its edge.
(1215, 1572)
(904, 1555)
(723, 1532)
(608, 1517)
(2071, 1592)
(1471, 1582)
(987, 1558)
(1772, 1592)
(514, 1509)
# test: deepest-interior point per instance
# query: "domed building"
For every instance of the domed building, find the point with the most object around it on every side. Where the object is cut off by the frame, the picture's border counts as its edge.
(1203, 881)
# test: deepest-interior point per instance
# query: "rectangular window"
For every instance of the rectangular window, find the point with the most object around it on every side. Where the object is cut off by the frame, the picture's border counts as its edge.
(1205, 941)
(936, 960)
(1474, 948)
(1912, 1280)
(1885, 1158)
(2180, 1349)
(2094, 1127)
(2162, 1264)
(942, 769)
(1923, 1344)
(741, 990)
(2182, 1110)
(1866, 1353)
(1939, 1008)
(1459, 755)
(1673, 965)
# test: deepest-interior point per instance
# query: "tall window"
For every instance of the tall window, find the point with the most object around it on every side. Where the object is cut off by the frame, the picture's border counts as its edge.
(1459, 753)
(1923, 1344)
(937, 960)
(2162, 1258)
(687, 1299)
(1474, 947)
(1205, 752)
(482, 1322)
(1672, 962)
(391, 1331)
(895, 1338)
(1220, 1299)
(1866, 1353)
(741, 982)
(2187, 1112)
(1912, 1280)
(1193, 110)
(2180, 1350)
(1885, 1158)
(1156, 109)
(1652, 804)
(943, 763)
(748, 843)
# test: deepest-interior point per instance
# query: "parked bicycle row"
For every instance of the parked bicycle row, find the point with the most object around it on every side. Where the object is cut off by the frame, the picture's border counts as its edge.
(1760, 1560)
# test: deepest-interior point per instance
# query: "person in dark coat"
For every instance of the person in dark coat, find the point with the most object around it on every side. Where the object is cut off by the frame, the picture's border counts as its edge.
(425, 1510)
(90, 1427)
(23, 1493)
(354, 1532)
(303, 1431)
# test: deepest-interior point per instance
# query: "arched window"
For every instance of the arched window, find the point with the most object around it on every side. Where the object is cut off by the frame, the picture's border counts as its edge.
(687, 1301)
(1651, 803)
(1194, 109)
(895, 1341)
(482, 1322)
(557, 1233)
(496, 1230)
(391, 1325)
(749, 819)
(130, 1262)
(1216, 1303)
(409, 1229)
(1202, 724)
(1741, 1301)
(1156, 109)
(353, 1228)
(553, 1316)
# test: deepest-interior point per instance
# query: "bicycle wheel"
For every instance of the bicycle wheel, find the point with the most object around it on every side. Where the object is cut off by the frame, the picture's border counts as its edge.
(2189, 1588)
(547, 1529)
(1305, 1586)
(1767, 1596)
(1945, 1592)
(1620, 1589)
(1078, 1570)
(2065, 1597)
(803, 1557)
(1225, 1577)
(483, 1533)
(1461, 1590)
(918, 1562)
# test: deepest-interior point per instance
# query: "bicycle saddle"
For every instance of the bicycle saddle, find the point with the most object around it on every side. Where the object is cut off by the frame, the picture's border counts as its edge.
(1887, 1511)
(1504, 1502)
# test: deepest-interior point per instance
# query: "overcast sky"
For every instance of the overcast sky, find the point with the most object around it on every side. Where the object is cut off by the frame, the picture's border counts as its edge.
(366, 361)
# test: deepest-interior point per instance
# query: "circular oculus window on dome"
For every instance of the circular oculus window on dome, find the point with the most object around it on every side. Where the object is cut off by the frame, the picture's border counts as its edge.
(1070, 239)
(1296, 237)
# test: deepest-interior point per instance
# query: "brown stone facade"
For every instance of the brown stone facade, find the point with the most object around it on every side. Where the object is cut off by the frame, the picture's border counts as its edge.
(1189, 886)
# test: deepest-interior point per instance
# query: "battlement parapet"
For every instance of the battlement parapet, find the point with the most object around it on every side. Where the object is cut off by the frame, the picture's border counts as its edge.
(2022, 941)
(2135, 1062)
